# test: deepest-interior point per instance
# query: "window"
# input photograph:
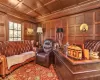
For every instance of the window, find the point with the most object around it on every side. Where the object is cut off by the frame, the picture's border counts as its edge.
(14, 31)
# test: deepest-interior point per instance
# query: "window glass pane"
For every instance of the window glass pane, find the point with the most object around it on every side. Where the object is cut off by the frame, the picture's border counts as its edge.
(15, 39)
(11, 25)
(15, 33)
(19, 33)
(10, 33)
(15, 26)
(19, 39)
(10, 39)
(19, 26)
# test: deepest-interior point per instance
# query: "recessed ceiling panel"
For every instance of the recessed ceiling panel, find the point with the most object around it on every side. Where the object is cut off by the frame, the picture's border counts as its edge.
(67, 3)
(33, 14)
(10, 3)
(42, 11)
(54, 6)
(21, 7)
(31, 3)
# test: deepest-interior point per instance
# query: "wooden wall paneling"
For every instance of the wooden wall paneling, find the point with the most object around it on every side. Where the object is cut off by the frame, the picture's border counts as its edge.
(64, 21)
(97, 16)
(94, 25)
(71, 39)
(65, 35)
(78, 32)
(71, 25)
(97, 29)
(71, 30)
(79, 39)
(71, 20)
(88, 38)
(97, 38)
(97, 24)
(3, 27)
(53, 30)
(79, 19)
(88, 17)
(64, 26)
(47, 30)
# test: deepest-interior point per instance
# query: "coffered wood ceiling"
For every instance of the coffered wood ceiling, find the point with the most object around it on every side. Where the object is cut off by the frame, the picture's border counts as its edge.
(36, 8)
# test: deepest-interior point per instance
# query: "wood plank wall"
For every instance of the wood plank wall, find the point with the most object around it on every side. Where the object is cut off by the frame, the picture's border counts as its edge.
(71, 25)
(4, 32)
(3, 18)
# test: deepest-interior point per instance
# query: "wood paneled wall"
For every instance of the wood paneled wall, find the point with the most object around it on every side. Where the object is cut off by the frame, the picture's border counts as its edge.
(3, 18)
(71, 25)
(4, 32)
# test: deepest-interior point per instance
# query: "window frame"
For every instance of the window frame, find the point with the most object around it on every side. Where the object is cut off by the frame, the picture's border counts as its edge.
(13, 29)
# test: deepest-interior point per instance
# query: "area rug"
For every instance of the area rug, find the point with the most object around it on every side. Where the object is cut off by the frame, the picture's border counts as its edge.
(32, 71)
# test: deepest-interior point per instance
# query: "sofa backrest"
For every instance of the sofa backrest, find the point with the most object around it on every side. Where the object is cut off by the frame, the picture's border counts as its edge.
(10, 48)
(93, 45)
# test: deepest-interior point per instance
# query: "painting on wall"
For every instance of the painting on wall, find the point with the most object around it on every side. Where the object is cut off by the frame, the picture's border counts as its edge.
(30, 31)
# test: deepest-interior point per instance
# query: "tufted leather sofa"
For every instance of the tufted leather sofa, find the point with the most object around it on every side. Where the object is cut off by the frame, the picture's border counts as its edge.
(92, 45)
(11, 48)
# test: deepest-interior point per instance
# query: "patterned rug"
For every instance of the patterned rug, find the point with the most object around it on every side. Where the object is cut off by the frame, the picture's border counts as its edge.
(32, 71)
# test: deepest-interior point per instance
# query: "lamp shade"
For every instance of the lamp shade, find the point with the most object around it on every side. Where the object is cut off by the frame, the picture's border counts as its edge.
(39, 30)
(59, 30)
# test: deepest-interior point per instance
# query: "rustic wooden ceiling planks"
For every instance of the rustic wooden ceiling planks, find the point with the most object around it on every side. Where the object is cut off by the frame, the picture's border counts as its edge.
(37, 8)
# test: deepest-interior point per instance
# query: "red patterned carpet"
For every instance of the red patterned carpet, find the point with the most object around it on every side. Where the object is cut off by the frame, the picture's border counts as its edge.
(32, 71)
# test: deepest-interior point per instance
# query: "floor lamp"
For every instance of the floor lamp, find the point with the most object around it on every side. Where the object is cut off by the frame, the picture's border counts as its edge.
(84, 28)
(39, 31)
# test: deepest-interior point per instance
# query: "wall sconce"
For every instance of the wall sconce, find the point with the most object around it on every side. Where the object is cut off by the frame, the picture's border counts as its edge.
(59, 35)
(84, 28)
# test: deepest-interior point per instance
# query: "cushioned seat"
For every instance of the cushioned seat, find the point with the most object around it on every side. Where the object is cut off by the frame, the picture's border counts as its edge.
(44, 55)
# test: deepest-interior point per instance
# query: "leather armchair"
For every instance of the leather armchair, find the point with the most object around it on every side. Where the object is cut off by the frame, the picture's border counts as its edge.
(44, 56)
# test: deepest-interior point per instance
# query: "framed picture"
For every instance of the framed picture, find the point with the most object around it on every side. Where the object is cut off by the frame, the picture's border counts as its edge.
(30, 31)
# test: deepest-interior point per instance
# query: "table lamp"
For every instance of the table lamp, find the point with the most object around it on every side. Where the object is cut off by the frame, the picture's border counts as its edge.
(59, 35)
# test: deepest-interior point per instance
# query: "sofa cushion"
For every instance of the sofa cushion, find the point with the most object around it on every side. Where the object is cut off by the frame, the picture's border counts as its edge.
(15, 59)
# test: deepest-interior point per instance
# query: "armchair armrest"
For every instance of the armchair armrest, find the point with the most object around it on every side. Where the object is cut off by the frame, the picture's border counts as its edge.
(39, 50)
(3, 65)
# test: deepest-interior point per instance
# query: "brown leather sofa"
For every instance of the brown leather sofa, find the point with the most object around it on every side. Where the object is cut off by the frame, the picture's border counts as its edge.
(11, 48)
(45, 55)
(92, 45)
